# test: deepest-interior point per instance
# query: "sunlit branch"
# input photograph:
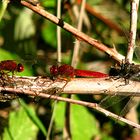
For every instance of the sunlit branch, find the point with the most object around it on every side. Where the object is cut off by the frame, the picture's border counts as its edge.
(95, 86)
(133, 29)
(78, 102)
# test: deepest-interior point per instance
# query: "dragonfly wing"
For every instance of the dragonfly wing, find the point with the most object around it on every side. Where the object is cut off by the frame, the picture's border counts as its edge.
(136, 77)
(109, 101)
(133, 101)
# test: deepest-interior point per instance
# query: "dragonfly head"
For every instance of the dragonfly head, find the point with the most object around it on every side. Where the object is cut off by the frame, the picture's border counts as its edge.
(20, 67)
(54, 70)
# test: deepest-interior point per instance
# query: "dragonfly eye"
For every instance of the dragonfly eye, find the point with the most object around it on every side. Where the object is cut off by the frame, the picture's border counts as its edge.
(54, 70)
(20, 67)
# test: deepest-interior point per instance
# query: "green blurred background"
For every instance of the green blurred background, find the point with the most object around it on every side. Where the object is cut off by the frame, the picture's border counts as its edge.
(30, 39)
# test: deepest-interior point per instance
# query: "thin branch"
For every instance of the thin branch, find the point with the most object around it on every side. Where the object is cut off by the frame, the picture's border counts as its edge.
(88, 104)
(59, 57)
(59, 44)
(104, 19)
(77, 42)
(133, 29)
(74, 31)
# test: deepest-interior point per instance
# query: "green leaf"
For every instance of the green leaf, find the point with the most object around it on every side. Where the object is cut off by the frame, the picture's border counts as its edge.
(26, 29)
(20, 127)
(81, 121)
(49, 34)
(59, 115)
(84, 126)
(24, 32)
(50, 3)
(3, 7)
(32, 115)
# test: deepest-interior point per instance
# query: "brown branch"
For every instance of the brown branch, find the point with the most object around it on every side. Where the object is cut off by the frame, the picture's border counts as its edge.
(107, 21)
(95, 86)
(88, 104)
(79, 35)
(46, 88)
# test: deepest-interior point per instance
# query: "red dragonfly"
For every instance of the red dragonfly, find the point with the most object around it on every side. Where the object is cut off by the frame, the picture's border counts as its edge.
(68, 71)
(7, 66)
(11, 66)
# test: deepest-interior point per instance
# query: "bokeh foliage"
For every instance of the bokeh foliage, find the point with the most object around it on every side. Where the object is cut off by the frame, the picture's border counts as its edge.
(29, 38)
